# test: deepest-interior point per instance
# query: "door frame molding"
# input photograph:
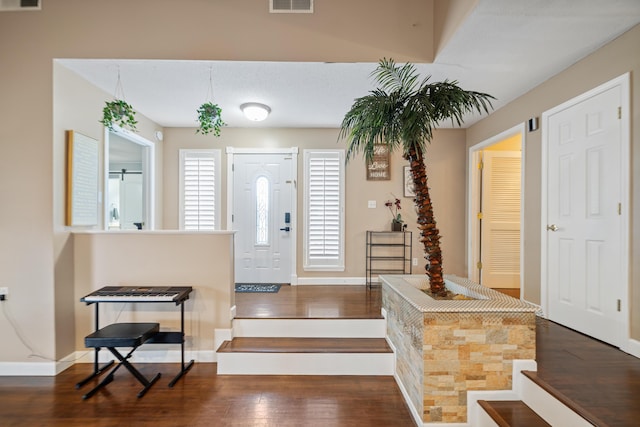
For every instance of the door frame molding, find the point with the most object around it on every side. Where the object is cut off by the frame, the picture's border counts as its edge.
(473, 244)
(293, 151)
(148, 180)
(623, 81)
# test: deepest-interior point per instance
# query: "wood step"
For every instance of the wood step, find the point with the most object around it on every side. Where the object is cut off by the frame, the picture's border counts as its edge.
(305, 345)
(562, 398)
(512, 413)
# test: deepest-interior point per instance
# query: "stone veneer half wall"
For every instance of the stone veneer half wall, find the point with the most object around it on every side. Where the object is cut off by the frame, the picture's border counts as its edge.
(446, 348)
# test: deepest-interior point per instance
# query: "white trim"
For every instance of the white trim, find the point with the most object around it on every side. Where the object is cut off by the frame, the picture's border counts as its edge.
(143, 355)
(310, 328)
(632, 347)
(472, 203)
(48, 369)
(331, 281)
(623, 81)
(305, 363)
(293, 151)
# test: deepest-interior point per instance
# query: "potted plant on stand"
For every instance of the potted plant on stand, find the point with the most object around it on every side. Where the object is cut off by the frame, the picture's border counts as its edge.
(401, 114)
(396, 218)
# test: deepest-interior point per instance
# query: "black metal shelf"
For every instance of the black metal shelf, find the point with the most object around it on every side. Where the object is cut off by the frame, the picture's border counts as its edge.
(391, 247)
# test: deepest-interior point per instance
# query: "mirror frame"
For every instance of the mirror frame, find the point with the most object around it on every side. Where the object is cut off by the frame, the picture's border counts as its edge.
(148, 166)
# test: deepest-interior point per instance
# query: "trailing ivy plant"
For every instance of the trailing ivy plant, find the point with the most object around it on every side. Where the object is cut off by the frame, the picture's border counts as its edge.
(209, 116)
(119, 112)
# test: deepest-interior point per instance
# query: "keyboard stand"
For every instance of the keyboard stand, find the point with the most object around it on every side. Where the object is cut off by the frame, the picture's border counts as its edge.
(169, 337)
(175, 338)
(97, 370)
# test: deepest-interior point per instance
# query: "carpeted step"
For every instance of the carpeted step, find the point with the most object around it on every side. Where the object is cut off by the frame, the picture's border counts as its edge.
(512, 413)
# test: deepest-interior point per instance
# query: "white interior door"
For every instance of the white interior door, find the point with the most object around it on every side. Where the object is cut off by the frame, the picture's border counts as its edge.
(131, 201)
(262, 190)
(500, 230)
(584, 256)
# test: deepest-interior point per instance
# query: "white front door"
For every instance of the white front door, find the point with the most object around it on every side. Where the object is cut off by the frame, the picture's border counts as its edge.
(584, 232)
(262, 206)
(500, 230)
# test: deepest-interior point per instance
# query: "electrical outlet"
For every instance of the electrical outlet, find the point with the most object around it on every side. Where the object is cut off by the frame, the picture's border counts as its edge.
(371, 204)
(415, 262)
(3, 293)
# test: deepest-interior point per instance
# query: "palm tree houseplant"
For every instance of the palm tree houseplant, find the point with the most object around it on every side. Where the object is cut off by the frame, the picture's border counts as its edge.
(401, 114)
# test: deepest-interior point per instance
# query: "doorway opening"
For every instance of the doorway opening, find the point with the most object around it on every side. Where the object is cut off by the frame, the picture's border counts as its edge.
(128, 187)
(495, 216)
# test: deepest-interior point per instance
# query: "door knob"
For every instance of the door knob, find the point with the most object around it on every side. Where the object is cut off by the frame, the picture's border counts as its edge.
(285, 229)
(552, 227)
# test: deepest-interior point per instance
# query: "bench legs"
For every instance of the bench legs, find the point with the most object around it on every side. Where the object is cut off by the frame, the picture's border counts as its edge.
(124, 362)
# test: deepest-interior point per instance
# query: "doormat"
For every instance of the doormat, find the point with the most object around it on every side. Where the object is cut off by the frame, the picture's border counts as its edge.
(270, 288)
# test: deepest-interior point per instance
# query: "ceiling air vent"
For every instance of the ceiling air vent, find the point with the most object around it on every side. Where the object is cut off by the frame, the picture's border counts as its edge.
(12, 5)
(291, 6)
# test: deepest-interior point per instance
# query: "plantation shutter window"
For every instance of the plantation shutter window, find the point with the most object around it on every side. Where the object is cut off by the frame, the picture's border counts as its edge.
(200, 190)
(324, 210)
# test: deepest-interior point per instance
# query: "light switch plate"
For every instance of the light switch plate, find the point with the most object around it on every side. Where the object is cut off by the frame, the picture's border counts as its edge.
(371, 204)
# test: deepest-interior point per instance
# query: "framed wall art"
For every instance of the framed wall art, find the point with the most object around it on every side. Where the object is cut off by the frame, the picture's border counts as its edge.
(82, 180)
(408, 183)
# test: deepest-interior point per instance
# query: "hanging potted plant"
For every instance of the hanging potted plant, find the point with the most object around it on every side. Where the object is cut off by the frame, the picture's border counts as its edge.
(210, 119)
(209, 114)
(119, 112)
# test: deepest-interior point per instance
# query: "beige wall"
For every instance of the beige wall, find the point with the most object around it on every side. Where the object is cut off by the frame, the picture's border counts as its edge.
(618, 57)
(35, 252)
(200, 260)
(445, 167)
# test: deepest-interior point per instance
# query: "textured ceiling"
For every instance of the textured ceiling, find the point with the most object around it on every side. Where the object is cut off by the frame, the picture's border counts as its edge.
(504, 47)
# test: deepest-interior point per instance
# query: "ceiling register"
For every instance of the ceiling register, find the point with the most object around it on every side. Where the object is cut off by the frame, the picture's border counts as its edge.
(290, 6)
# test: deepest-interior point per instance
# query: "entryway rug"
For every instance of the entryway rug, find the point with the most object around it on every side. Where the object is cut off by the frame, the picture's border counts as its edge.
(270, 288)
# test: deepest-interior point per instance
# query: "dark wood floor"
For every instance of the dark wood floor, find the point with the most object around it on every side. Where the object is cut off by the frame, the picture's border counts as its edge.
(602, 379)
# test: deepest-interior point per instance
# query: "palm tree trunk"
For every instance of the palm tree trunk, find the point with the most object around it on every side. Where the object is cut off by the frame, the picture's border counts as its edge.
(429, 233)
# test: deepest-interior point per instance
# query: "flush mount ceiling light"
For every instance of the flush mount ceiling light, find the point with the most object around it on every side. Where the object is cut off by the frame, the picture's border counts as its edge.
(255, 111)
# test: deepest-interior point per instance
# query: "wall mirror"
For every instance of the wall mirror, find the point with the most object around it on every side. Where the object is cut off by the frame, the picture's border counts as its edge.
(129, 161)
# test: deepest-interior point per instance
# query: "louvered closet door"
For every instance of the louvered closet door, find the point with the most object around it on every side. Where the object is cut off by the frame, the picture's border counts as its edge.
(500, 239)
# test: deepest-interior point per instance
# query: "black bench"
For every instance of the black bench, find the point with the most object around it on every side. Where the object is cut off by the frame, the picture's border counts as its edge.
(123, 335)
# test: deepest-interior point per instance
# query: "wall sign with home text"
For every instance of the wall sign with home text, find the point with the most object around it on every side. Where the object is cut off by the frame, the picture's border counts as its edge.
(378, 167)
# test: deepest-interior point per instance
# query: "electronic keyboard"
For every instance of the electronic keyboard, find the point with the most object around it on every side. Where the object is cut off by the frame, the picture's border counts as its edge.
(175, 294)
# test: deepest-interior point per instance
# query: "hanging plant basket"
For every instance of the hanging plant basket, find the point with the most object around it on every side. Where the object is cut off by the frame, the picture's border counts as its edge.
(120, 113)
(210, 119)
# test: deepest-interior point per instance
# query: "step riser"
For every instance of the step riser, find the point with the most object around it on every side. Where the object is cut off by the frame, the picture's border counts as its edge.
(310, 328)
(305, 364)
(548, 407)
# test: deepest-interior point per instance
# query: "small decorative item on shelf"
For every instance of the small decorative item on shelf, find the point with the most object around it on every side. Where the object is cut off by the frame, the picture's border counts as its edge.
(396, 218)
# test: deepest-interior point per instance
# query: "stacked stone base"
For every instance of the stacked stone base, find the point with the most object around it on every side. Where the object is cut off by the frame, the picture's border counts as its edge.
(446, 348)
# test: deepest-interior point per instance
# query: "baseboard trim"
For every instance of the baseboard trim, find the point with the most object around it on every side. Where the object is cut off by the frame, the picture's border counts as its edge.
(632, 347)
(152, 356)
(302, 281)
